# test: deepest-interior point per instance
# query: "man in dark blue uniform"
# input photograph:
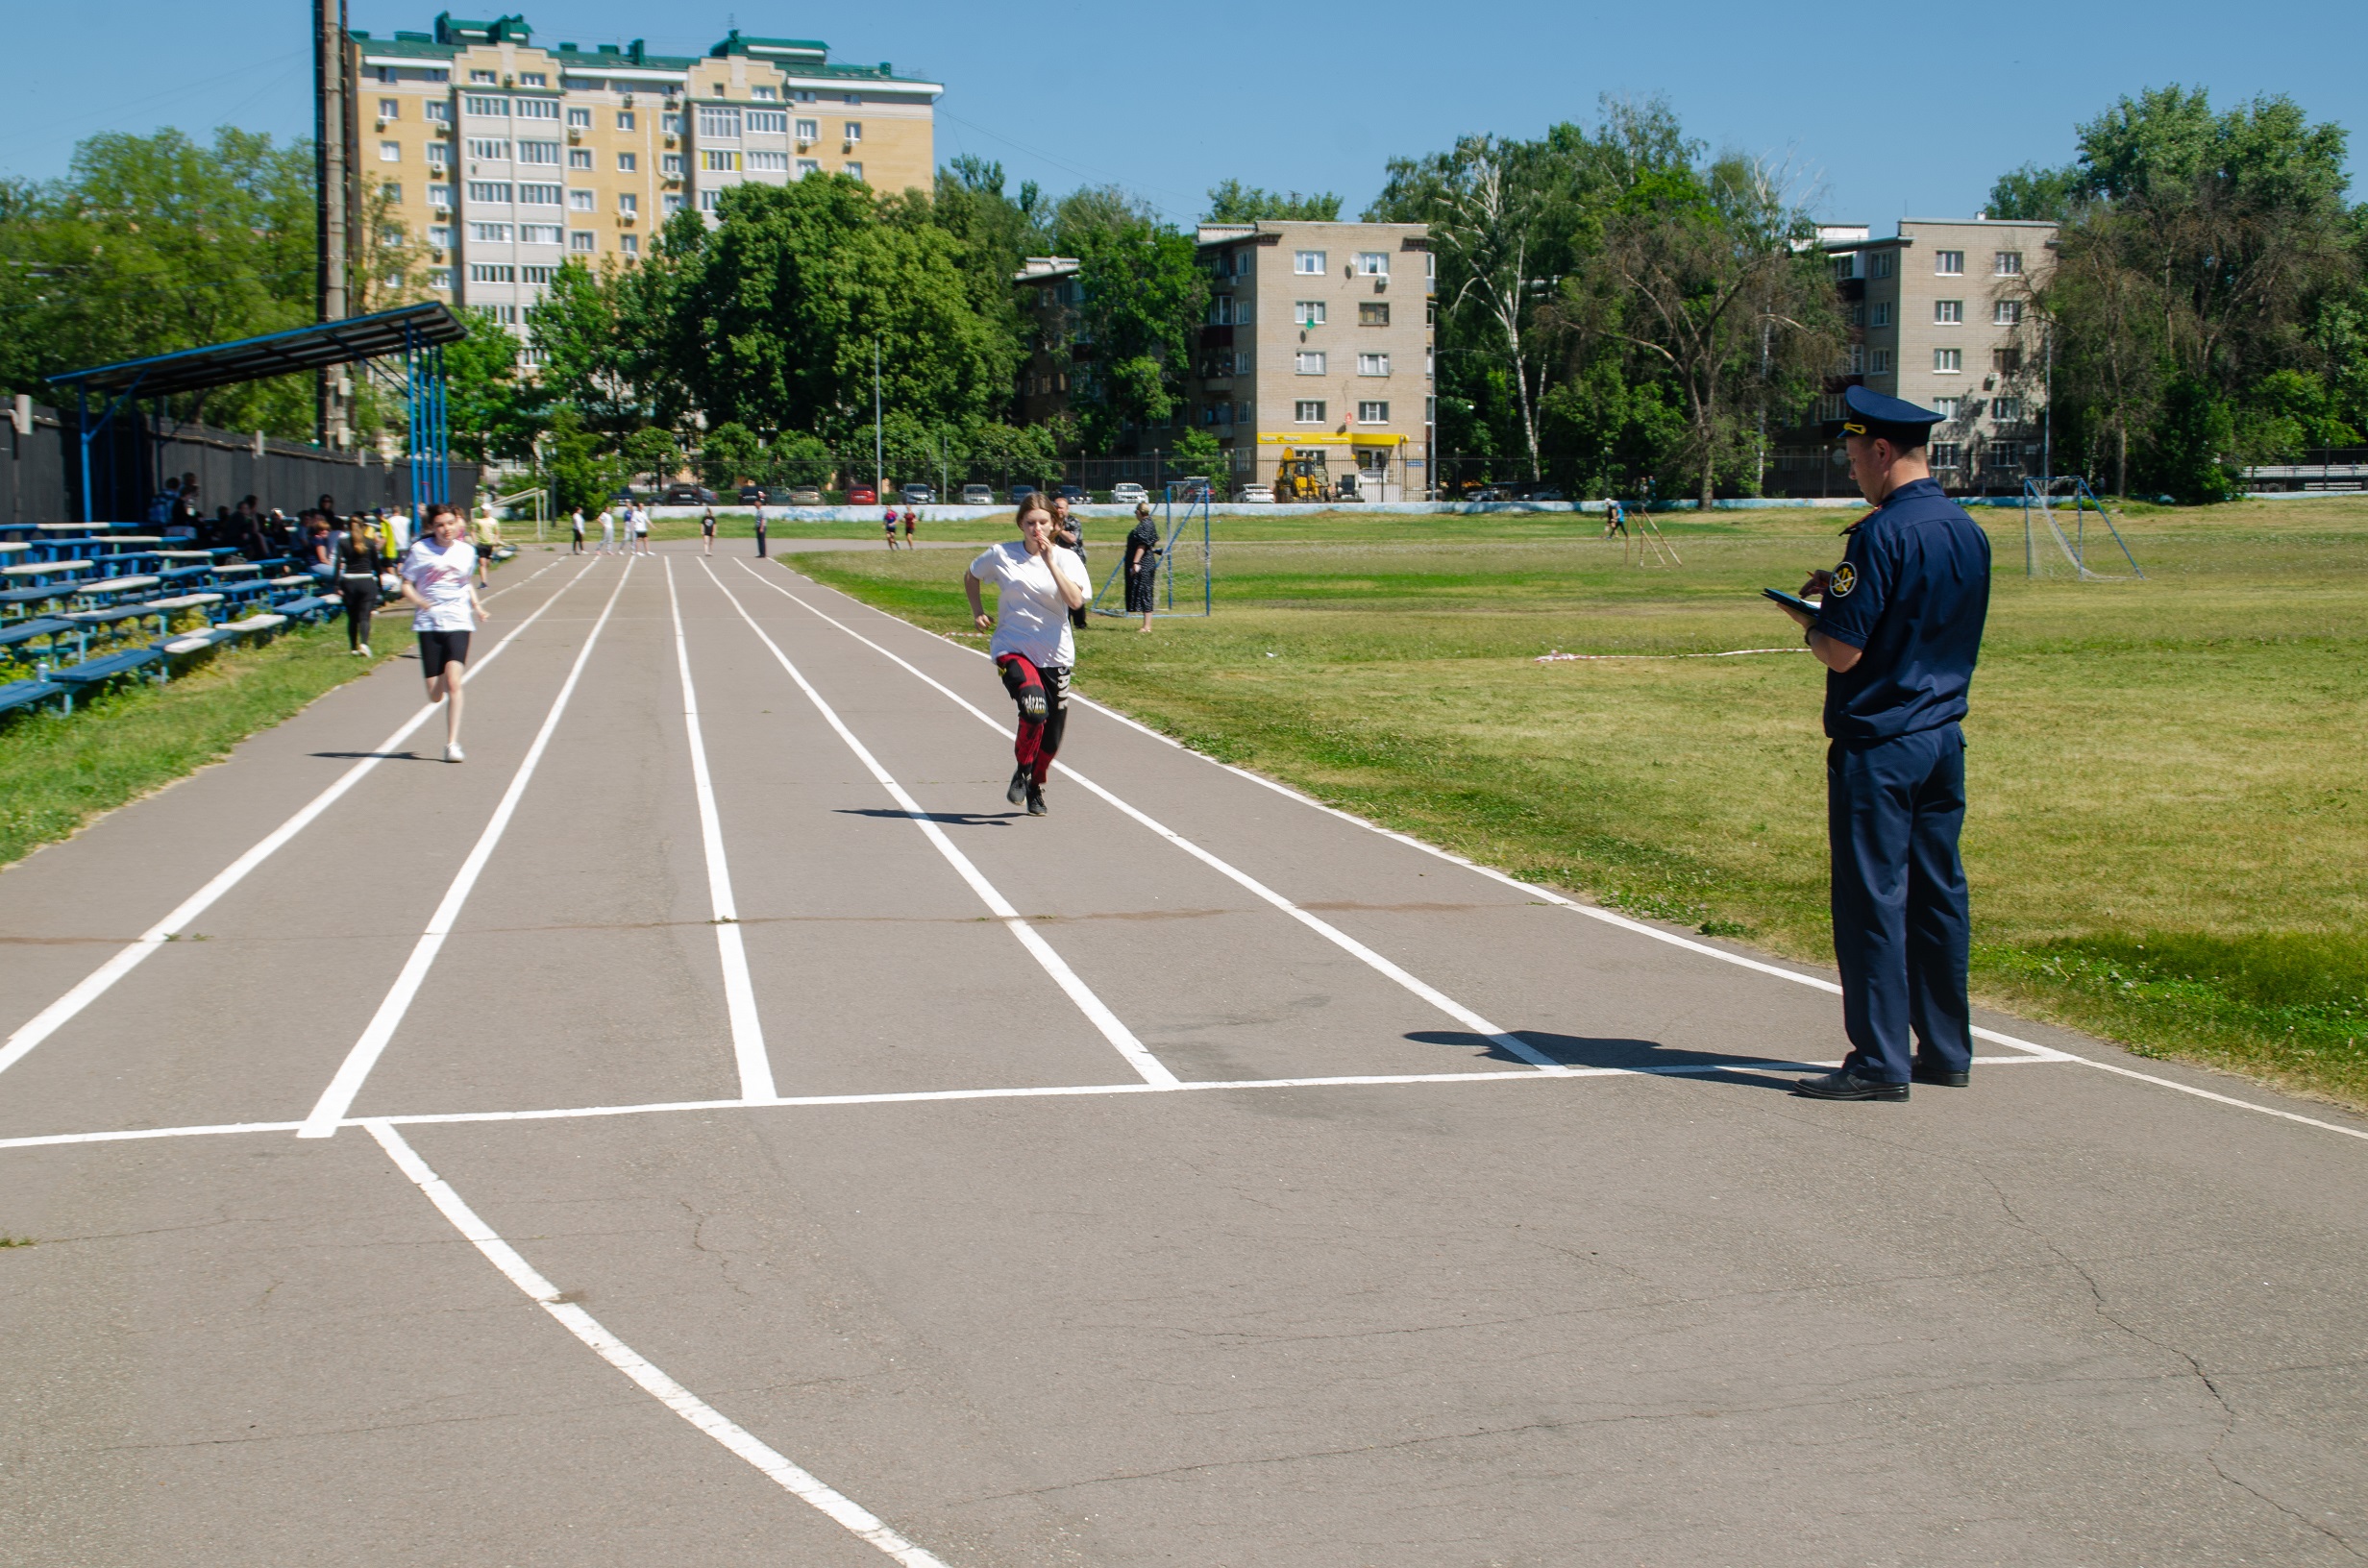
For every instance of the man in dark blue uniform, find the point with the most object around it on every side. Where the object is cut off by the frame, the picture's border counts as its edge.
(1898, 630)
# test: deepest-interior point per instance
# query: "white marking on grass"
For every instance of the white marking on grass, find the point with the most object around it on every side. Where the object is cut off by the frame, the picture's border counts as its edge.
(1121, 1038)
(1502, 1039)
(102, 979)
(801, 1485)
(747, 1030)
(329, 1109)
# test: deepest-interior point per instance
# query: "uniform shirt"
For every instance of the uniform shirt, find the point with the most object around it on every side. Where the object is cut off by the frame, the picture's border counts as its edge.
(441, 574)
(1031, 619)
(1911, 594)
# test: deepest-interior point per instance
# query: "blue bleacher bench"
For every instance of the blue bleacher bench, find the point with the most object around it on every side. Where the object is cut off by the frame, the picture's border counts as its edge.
(47, 629)
(106, 666)
(32, 693)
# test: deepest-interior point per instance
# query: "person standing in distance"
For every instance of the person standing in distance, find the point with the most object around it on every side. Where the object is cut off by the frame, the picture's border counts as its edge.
(1038, 585)
(760, 530)
(575, 522)
(608, 527)
(436, 580)
(1141, 549)
(1070, 533)
(1898, 630)
(707, 530)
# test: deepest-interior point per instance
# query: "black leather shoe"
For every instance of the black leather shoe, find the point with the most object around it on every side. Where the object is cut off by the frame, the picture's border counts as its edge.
(1942, 1076)
(1846, 1085)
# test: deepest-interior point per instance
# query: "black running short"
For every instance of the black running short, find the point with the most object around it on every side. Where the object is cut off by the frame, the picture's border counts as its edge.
(438, 649)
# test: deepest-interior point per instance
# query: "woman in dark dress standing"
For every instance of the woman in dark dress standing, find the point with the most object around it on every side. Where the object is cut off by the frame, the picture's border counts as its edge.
(1142, 565)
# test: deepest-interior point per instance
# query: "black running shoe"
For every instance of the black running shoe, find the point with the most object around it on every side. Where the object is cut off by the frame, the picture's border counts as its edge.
(1846, 1085)
(1035, 799)
(1018, 784)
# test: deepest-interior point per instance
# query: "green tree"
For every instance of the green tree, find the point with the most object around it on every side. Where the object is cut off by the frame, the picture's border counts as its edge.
(730, 454)
(795, 458)
(1144, 296)
(580, 473)
(654, 452)
(488, 409)
(588, 355)
(1233, 202)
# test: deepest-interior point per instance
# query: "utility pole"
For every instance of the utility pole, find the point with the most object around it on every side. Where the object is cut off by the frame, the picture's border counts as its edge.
(879, 477)
(331, 176)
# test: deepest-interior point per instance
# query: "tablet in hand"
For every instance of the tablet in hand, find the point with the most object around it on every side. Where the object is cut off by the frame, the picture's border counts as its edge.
(1807, 606)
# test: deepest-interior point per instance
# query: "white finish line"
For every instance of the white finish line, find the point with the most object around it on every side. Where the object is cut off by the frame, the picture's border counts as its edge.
(95, 984)
(329, 1109)
(799, 1483)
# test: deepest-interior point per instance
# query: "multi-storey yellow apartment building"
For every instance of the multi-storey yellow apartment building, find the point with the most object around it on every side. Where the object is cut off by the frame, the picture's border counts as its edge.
(505, 158)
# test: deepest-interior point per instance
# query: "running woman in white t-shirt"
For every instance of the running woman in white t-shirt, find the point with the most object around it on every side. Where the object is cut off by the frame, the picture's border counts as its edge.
(435, 578)
(1037, 585)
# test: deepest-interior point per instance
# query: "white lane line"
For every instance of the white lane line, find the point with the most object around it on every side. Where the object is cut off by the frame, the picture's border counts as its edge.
(99, 981)
(799, 1483)
(1503, 1040)
(331, 1109)
(1121, 1038)
(747, 1030)
(2048, 1053)
(918, 1096)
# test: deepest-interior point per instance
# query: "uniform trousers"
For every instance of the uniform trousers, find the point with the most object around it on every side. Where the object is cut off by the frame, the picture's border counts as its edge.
(1902, 930)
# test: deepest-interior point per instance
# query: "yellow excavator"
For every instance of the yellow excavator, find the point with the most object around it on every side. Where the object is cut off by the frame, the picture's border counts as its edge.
(1302, 476)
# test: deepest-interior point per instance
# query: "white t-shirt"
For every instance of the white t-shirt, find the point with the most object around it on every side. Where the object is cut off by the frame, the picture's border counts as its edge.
(1031, 619)
(442, 575)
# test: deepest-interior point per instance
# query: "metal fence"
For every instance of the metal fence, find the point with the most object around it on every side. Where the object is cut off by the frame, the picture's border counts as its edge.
(131, 456)
(2320, 468)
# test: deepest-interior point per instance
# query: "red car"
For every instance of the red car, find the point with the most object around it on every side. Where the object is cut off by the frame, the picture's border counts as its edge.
(863, 494)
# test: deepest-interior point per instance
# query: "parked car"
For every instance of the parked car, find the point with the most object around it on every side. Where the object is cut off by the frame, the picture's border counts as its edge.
(1195, 487)
(1263, 493)
(918, 495)
(977, 495)
(686, 495)
(797, 495)
(1072, 492)
(1021, 493)
(863, 494)
(751, 495)
(1129, 494)
(1548, 492)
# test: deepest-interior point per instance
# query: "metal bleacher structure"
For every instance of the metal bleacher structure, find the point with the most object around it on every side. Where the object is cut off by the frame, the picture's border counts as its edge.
(92, 588)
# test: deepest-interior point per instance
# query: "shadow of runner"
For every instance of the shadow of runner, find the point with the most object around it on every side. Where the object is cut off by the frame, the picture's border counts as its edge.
(1648, 1056)
(953, 819)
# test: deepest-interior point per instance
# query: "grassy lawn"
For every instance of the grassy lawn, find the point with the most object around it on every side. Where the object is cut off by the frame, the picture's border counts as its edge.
(2169, 818)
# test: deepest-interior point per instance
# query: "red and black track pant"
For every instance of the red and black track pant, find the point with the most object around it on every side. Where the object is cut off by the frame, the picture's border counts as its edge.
(1042, 693)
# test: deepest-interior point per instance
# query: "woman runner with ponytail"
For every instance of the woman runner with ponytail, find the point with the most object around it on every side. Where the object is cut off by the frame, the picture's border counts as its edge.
(1038, 583)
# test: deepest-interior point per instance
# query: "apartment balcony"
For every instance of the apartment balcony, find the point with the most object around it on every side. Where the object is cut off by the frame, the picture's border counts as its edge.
(1217, 337)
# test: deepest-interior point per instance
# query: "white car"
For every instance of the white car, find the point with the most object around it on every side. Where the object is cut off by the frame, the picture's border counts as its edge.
(1128, 495)
(1256, 493)
(977, 495)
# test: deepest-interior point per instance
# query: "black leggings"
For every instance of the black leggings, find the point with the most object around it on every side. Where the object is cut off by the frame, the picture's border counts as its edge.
(361, 599)
(1043, 696)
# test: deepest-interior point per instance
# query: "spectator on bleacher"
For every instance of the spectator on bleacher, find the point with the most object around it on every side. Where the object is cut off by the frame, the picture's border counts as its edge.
(161, 504)
(320, 557)
(361, 557)
(186, 518)
(436, 572)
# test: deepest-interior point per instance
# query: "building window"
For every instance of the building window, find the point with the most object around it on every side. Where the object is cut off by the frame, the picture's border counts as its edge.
(628, 163)
(491, 108)
(1372, 264)
(489, 190)
(539, 234)
(1845, 268)
(1879, 361)
(441, 196)
(1949, 264)
(1307, 262)
(672, 163)
(769, 163)
(391, 152)
(2009, 264)
(707, 199)
(671, 124)
(1949, 362)
(539, 151)
(625, 119)
(582, 243)
(854, 171)
(1878, 313)
(2007, 313)
(2005, 455)
(505, 314)
(721, 123)
(1308, 312)
(766, 96)
(1947, 455)
(806, 167)
(437, 112)
(719, 157)
(630, 244)
(855, 131)
(2006, 361)
(579, 120)
(628, 203)
(535, 108)
(1372, 364)
(1946, 407)
(1373, 313)
(854, 100)
(1430, 361)
(440, 278)
(489, 233)
(1372, 413)
(533, 79)
(579, 157)
(438, 156)
(1880, 264)
(671, 204)
(484, 274)
(581, 201)
(1854, 359)
(772, 122)
(1948, 312)
(2005, 411)
(390, 109)
(1310, 363)
(809, 131)
(481, 78)
(485, 151)
(538, 195)
(393, 192)
(441, 236)
(1307, 412)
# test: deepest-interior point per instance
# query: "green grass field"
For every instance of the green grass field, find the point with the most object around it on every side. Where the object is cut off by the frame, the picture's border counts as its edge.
(2169, 821)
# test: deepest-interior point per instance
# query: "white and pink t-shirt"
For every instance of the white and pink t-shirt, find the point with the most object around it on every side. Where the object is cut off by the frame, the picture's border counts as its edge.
(441, 574)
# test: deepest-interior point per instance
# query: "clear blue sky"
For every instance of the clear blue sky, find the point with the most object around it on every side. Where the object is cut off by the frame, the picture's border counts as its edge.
(1910, 112)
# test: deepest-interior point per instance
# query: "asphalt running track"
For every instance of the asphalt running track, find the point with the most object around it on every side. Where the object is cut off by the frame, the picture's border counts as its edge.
(736, 1137)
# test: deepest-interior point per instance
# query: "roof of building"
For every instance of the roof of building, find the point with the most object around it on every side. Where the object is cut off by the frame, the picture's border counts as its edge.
(799, 56)
(1036, 268)
(274, 354)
